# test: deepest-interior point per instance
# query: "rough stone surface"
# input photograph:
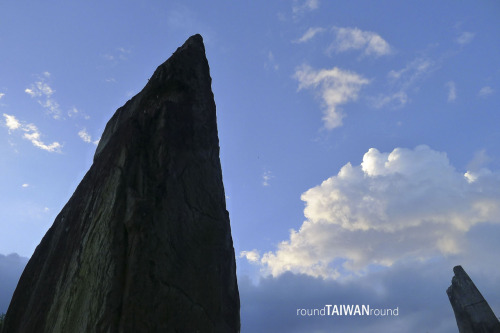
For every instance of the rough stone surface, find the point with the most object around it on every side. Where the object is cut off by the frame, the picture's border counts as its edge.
(472, 312)
(144, 244)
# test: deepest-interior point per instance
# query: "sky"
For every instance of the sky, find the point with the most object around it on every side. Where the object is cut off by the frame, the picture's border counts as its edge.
(359, 142)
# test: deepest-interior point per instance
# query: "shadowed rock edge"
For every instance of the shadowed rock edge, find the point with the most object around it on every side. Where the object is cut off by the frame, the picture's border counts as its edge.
(472, 313)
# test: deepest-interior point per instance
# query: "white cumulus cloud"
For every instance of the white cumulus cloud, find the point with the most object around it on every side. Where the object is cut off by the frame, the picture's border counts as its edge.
(369, 42)
(336, 87)
(31, 133)
(409, 204)
(252, 256)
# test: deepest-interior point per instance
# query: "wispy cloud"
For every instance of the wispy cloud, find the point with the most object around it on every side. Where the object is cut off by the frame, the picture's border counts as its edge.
(43, 92)
(309, 34)
(465, 38)
(108, 56)
(411, 72)
(304, 6)
(452, 91)
(479, 160)
(38, 89)
(409, 204)
(120, 53)
(123, 53)
(370, 43)
(397, 99)
(485, 91)
(335, 86)
(74, 113)
(402, 80)
(2, 95)
(85, 136)
(31, 133)
(266, 177)
(271, 62)
(25, 185)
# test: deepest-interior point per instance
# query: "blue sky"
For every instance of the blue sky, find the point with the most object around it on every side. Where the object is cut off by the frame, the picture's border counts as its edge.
(359, 140)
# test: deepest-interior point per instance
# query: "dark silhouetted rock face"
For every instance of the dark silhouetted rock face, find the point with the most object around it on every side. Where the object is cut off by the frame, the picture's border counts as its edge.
(472, 312)
(144, 244)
